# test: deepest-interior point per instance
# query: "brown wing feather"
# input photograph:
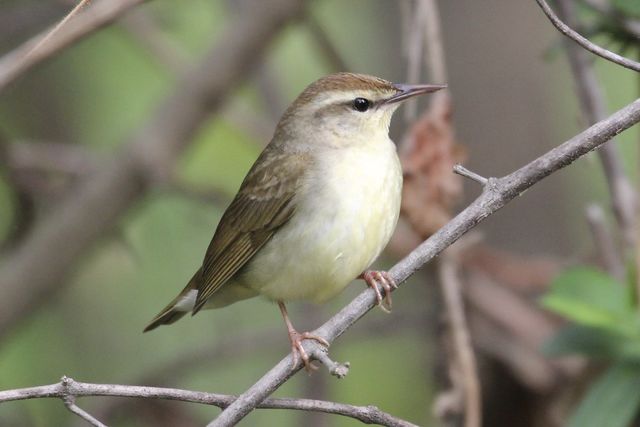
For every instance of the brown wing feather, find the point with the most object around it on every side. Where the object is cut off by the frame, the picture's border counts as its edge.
(264, 203)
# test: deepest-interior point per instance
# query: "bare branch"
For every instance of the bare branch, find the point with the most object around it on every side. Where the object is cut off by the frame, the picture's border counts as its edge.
(528, 274)
(461, 170)
(436, 63)
(164, 50)
(605, 245)
(591, 47)
(497, 193)
(70, 402)
(67, 159)
(57, 27)
(466, 360)
(25, 57)
(325, 45)
(68, 388)
(623, 195)
(238, 346)
(99, 202)
(209, 194)
(413, 21)
(338, 370)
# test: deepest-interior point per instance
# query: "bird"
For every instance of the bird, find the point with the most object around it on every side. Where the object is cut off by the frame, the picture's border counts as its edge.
(314, 211)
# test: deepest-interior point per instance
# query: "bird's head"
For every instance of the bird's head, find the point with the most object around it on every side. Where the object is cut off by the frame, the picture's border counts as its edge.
(344, 107)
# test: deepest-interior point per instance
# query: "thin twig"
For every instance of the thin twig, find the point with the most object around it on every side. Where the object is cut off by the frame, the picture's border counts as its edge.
(69, 400)
(210, 194)
(164, 50)
(604, 243)
(67, 387)
(50, 157)
(435, 60)
(591, 47)
(57, 27)
(461, 170)
(337, 369)
(236, 347)
(326, 46)
(20, 60)
(249, 121)
(414, 51)
(623, 196)
(497, 193)
(451, 290)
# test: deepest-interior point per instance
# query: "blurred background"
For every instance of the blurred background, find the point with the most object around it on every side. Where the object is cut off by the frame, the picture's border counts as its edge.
(151, 124)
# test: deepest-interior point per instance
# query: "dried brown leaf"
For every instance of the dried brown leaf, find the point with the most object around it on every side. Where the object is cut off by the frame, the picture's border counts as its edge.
(428, 155)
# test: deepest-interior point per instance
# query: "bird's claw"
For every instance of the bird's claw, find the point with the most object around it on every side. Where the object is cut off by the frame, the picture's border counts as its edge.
(373, 278)
(298, 351)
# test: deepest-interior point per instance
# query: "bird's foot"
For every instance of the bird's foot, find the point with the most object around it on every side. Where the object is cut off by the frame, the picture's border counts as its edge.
(298, 350)
(373, 278)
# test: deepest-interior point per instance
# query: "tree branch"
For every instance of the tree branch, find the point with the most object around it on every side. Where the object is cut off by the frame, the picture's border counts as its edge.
(591, 47)
(605, 246)
(69, 400)
(461, 340)
(592, 104)
(161, 48)
(56, 29)
(68, 389)
(29, 54)
(99, 202)
(497, 193)
(327, 48)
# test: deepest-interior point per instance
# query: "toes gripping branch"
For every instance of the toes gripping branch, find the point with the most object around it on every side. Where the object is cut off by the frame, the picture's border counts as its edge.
(373, 278)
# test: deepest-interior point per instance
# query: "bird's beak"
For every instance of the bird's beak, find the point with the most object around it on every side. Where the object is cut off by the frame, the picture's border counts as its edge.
(406, 91)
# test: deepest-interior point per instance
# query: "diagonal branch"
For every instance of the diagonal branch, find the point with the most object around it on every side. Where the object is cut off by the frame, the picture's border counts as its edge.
(623, 195)
(497, 193)
(32, 52)
(38, 267)
(68, 389)
(591, 47)
(56, 29)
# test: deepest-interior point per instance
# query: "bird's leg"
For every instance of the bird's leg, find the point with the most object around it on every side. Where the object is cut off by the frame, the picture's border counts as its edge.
(373, 278)
(296, 339)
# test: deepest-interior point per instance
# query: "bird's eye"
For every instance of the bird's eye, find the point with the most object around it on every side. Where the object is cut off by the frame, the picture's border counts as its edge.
(361, 104)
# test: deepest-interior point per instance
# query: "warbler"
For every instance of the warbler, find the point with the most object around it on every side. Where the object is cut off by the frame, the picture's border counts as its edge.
(315, 210)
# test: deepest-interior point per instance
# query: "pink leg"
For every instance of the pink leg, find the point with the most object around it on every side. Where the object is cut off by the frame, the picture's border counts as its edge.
(296, 339)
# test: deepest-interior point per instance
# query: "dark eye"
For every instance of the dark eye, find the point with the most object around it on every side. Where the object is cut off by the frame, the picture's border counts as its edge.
(361, 104)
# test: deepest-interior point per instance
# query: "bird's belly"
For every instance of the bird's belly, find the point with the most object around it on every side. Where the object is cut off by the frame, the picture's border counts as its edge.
(340, 227)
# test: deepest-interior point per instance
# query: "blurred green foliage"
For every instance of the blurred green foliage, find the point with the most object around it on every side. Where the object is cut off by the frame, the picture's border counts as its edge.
(96, 95)
(605, 317)
(100, 91)
(628, 8)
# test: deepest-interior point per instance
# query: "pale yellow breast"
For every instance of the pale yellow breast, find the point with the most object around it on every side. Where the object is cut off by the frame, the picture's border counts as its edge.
(346, 213)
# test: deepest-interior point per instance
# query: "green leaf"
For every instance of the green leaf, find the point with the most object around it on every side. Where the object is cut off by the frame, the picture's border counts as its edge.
(592, 298)
(593, 342)
(629, 8)
(612, 401)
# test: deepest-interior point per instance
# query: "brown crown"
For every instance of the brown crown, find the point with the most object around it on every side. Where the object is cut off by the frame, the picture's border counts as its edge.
(343, 81)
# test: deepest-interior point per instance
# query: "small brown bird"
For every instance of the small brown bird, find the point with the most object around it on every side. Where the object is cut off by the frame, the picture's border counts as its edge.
(316, 208)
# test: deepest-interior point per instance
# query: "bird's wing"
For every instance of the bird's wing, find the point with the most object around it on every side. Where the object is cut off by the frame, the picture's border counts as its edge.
(264, 203)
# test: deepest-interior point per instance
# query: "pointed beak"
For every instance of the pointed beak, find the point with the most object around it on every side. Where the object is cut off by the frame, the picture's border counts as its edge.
(406, 91)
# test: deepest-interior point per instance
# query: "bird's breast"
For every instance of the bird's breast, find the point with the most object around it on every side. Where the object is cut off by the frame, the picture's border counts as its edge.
(346, 211)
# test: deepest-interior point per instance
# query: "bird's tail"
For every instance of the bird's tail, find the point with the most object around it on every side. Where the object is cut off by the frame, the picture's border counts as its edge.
(180, 305)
